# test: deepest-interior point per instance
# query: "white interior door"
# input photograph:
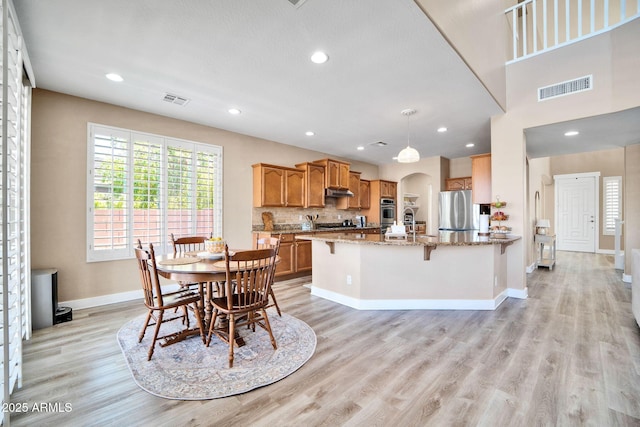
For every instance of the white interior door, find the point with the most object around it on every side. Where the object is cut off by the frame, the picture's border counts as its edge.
(576, 212)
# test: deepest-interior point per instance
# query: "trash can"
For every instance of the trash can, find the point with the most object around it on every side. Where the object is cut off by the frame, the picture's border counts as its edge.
(44, 297)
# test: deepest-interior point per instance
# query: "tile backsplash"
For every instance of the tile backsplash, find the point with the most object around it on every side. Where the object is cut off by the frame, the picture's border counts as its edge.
(288, 217)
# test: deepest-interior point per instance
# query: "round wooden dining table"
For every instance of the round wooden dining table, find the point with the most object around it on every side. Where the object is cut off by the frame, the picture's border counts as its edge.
(207, 272)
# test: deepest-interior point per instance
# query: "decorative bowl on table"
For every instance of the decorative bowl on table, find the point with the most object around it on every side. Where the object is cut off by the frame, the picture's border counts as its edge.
(214, 245)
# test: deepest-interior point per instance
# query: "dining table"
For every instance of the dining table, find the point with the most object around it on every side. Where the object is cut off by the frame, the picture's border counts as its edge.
(207, 270)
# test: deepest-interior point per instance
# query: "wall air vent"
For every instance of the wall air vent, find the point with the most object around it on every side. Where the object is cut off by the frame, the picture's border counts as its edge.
(297, 3)
(175, 99)
(565, 88)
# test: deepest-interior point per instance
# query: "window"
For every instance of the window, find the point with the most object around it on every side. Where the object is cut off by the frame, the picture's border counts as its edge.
(144, 186)
(612, 209)
(15, 268)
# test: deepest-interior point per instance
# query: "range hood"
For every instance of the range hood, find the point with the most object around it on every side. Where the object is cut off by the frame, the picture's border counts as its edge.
(337, 193)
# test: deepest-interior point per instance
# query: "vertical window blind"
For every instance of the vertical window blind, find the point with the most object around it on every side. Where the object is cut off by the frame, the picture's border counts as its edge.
(144, 186)
(612, 203)
(14, 216)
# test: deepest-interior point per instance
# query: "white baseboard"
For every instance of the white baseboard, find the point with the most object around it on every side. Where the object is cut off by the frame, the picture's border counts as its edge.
(626, 278)
(410, 304)
(531, 268)
(606, 251)
(79, 304)
(518, 293)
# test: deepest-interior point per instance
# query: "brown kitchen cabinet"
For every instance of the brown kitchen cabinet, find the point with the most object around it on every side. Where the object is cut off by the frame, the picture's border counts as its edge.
(365, 194)
(388, 189)
(303, 256)
(314, 184)
(354, 187)
(336, 173)
(295, 188)
(295, 255)
(481, 175)
(378, 189)
(462, 183)
(277, 186)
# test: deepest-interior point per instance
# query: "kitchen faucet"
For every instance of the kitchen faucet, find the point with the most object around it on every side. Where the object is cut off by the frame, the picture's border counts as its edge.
(413, 220)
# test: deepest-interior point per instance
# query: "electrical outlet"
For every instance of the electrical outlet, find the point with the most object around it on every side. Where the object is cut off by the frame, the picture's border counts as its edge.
(300, 217)
(348, 279)
(339, 216)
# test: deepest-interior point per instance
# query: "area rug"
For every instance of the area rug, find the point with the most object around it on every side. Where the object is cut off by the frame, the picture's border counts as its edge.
(189, 370)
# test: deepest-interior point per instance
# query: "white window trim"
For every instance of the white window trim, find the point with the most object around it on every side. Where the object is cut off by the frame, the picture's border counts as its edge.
(127, 253)
(608, 223)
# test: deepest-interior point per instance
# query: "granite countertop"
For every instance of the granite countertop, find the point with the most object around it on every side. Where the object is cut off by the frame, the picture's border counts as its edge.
(296, 229)
(444, 238)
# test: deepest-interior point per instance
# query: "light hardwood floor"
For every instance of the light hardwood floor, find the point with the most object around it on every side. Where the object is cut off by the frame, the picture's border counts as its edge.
(569, 355)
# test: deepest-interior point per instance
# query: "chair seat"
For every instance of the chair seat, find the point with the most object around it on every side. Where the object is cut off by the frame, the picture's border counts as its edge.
(178, 298)
(238, 301)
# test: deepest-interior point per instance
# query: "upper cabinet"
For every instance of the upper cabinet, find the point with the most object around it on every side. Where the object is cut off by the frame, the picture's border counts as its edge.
(388, 189)
(365, 194)
(453, 184)
(277, 186)
(314, 183)
(336, 173)
(481, 175)
(354, 187)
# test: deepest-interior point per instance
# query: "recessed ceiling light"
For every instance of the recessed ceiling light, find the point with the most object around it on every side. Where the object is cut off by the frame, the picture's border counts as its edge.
(360, 148)
(319, 57)
(442, 129)
(114, 77)
(571, 133)
(469, 145)
(309, 133)
(234, 111)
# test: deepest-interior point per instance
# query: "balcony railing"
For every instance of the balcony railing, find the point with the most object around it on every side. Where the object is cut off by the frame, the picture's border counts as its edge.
(542, 25)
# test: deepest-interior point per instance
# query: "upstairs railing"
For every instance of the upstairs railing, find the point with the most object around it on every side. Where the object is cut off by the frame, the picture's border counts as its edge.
(542, 25)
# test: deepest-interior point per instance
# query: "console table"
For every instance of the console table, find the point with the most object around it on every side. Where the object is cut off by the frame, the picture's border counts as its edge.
(548, 240)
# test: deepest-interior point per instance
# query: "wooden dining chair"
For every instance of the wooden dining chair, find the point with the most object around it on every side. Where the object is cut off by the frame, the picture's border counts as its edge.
(271, 243)
(157, 302)
(251, 274)
(182, 245)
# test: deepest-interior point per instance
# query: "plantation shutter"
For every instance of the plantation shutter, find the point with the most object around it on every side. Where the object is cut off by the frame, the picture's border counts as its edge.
(612, 202)
(181, 189)
(209, 199)
(14, 216)
(109, 196)
(147, 190)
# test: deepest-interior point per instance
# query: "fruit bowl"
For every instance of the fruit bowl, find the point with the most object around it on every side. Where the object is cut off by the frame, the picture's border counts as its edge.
(214, 245)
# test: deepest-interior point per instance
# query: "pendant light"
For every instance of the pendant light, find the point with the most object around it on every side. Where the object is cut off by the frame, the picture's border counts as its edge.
(408, 154)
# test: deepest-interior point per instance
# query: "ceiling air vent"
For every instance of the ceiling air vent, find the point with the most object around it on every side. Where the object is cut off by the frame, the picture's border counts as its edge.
(297, 3)
(565, 88)
(378, 144)
(175, 99)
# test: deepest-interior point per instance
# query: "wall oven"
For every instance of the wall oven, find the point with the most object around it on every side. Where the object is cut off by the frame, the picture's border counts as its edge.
(387, 213)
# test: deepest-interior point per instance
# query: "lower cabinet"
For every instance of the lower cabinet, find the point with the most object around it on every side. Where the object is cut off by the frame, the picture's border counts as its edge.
(287, 254)
(295, 255)
(303, 256)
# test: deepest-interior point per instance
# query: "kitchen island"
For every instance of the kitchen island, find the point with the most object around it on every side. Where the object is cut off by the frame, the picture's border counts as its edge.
(451, 270)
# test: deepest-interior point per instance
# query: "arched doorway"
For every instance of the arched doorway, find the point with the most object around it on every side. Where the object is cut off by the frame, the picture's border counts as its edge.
(416, 192)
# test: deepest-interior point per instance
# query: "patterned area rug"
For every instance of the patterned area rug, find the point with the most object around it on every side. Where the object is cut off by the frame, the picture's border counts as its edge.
(190, 371)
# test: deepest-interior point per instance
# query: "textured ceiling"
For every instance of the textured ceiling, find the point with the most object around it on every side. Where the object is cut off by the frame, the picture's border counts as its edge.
(385, 56)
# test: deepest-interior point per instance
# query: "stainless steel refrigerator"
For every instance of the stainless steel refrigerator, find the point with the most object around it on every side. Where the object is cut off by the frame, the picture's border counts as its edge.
(457, 211)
